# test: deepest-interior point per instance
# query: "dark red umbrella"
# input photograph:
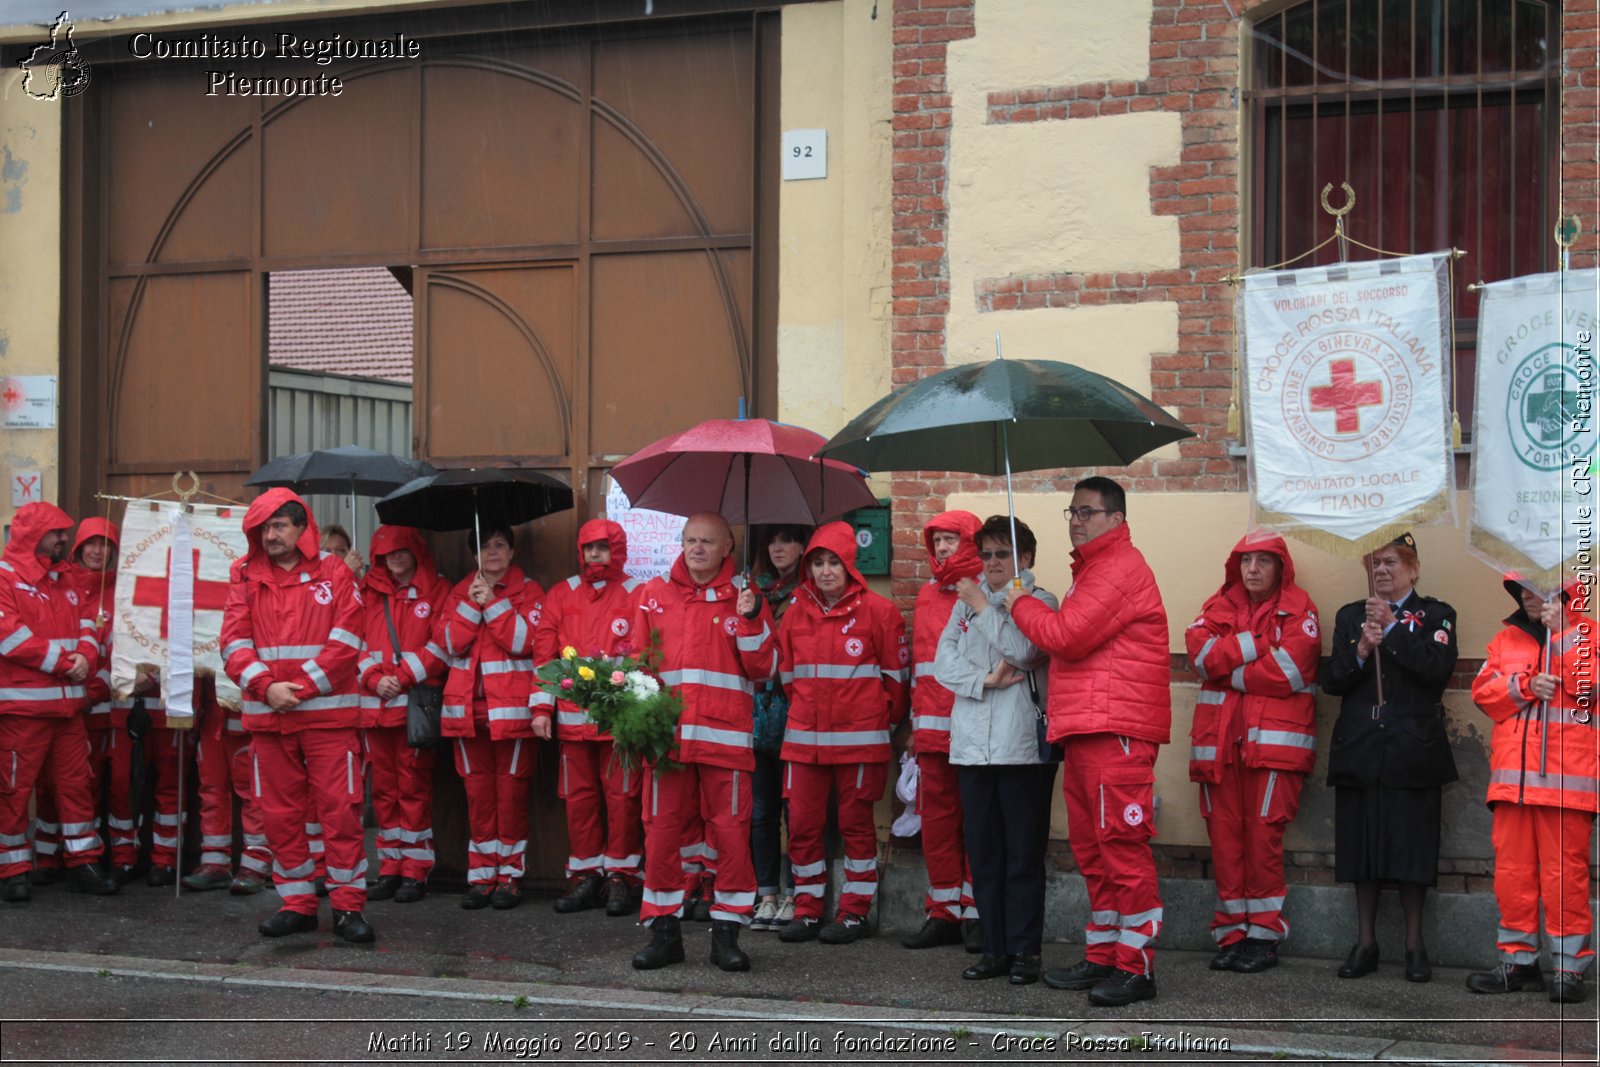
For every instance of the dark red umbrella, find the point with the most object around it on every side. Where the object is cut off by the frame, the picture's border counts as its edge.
(747, 471)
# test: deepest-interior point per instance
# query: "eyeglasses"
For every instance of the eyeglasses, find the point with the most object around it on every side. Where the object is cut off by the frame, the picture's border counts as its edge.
(999, 553)
(1083, 514)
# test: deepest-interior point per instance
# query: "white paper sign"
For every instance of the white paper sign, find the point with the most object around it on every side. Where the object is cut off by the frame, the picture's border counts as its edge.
(28, 402)
(1346, 380)
(27, 487)
(1533, 433)
(655, 538)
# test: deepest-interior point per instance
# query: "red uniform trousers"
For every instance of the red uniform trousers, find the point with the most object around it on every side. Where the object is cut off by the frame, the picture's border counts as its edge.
(317, 770)
(944, 849)
(161, 748)
(58, 747)
(1109, 784)
(225, 768)
(603, 811)
(675, 801)
(1246, 814)
(496, 775)
(806, 787)
(46, 817)
(1542, 851)
(402, 802)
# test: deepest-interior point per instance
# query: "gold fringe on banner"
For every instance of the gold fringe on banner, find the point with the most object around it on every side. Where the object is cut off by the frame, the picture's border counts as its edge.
(1335, 545)
(1546, 578)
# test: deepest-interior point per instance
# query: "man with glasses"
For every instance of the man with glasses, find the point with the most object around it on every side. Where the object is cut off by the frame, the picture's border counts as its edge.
(1110, 707)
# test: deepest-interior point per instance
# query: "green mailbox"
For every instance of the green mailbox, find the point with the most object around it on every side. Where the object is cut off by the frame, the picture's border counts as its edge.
(874, 545)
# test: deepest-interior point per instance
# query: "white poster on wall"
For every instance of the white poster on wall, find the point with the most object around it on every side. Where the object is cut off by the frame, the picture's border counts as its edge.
(654, 537)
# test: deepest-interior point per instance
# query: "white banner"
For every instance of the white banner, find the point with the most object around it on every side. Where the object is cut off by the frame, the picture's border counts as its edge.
(1346, 374)
(655, 538)
(172, 584)
(1533, 432)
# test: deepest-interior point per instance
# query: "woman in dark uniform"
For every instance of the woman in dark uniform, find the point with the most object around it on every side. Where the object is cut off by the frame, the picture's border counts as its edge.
(1389, 761)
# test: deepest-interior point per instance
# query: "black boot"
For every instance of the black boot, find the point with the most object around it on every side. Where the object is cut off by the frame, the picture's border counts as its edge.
(285, 922)
(353, 927)
(384, 887)
(1508, 978)
(725, 950)
(585, 891)
(15, 890)
(620, 897)
(161, 876)
(972, 935)
(91, 879)
(1257, 954)
(934, 932)
(665, 947)
(409, 891)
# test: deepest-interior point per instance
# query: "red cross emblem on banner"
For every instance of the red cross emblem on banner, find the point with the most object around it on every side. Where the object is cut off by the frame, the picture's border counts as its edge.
(152, 592)
(1345, 396)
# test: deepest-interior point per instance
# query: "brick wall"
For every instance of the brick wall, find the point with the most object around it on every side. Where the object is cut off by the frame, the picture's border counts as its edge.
(1194, 73)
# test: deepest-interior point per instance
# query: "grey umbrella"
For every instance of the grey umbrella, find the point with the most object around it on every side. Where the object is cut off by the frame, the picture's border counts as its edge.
(1005, 415)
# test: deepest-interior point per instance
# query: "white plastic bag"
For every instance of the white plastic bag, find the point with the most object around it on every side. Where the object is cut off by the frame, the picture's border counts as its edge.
(909, 824)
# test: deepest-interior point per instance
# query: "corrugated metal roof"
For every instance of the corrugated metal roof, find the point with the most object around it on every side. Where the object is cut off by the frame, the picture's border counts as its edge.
(353, 321)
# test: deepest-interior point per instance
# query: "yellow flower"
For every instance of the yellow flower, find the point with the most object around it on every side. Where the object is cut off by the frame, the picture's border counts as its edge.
(569, 653)
(586, 674)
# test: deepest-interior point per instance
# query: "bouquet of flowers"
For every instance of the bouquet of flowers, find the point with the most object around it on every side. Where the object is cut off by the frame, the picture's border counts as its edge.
(623, 699)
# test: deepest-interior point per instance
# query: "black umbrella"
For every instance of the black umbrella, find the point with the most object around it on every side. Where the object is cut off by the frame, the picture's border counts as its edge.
(1005, 415)
(346, 469)
(464, 499)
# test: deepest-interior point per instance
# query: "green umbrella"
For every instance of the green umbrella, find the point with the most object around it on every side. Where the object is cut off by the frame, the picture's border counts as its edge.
(1005, 415)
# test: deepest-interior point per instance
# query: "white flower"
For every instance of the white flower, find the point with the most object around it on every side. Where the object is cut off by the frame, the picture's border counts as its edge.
(641, 685)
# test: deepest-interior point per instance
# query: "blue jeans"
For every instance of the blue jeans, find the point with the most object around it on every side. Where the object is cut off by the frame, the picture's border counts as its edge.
(767, 813)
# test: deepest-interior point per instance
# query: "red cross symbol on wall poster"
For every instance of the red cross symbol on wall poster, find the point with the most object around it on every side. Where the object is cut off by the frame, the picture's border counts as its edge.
(152, 592)
(1345, 396)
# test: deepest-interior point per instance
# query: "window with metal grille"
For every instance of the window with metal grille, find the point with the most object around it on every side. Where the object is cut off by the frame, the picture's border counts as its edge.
(1442, 115)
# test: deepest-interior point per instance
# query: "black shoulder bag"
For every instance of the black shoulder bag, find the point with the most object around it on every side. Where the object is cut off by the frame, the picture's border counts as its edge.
(424, 703)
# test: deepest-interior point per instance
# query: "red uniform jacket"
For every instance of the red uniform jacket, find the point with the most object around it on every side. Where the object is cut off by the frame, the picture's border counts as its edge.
(843, 667)
(491, 657)
(99, 592)
(593, 612)
(700, 659)
(1110, 671)
(1258, 667)
(414, 609)
(43, 621)
(1571, 777)
(301, 626)
(930, 701)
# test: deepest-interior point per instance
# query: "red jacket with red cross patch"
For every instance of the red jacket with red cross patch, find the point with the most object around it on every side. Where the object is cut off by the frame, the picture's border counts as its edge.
(491, 656)
(414, 609)
(43, 621)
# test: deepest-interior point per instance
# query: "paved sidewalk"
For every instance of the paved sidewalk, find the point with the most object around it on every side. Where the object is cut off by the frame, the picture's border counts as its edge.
(145, 955)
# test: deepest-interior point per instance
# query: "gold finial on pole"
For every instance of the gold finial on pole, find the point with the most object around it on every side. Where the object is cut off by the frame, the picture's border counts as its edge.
(1566, 235)
(193, 490)
(1349, 200)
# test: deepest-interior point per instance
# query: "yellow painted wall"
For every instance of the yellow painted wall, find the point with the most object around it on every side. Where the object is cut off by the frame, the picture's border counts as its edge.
(30, 269)
(834, 232)
(1187, 537)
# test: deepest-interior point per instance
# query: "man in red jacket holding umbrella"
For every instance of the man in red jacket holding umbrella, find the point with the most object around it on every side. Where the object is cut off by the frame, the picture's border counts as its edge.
(1111, 708)
(593, 612)
(401, 596)
(291, 636)
(694, 611)
(953, 554)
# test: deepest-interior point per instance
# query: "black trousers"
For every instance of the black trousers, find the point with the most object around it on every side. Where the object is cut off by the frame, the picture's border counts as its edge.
(1006, 810)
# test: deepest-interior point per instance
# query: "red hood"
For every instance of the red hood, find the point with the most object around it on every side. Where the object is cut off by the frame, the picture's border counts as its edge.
(964, 561)
(1289, 597)
(840, 539)
(95, 527)
(261, 509)
(680, 575)
(617, 537)
(28, 527)
(387, 539)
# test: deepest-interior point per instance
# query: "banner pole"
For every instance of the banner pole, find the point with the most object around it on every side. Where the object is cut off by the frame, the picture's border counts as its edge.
(1377, 651)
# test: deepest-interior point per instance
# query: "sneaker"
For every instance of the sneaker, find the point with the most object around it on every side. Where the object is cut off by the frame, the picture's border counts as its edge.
(247, 884)
(785, 912)
(844, 929)
(766, 915)
(800, 930)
